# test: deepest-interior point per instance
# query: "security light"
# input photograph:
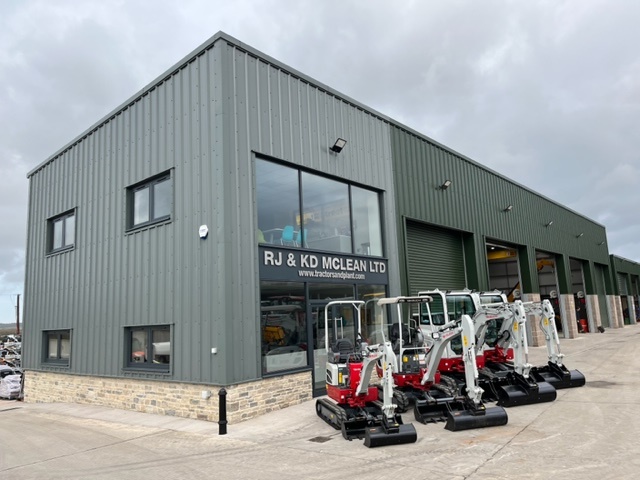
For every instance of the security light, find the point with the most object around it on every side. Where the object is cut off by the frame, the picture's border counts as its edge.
(339, 145)
(579, 235)
(508, 209)
(548, 224)
(446, 184)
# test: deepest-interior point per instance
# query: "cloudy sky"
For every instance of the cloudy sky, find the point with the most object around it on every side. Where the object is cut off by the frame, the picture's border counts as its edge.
(545, 92)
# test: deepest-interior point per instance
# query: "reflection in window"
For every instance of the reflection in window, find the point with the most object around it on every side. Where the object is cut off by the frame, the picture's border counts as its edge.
(372, 318)
(283, 326)
(149, 347)
(57, 347)
(367, 232)
(326, 213)
(62, 232)
(278, 203)
(336, 217)
(150, 202)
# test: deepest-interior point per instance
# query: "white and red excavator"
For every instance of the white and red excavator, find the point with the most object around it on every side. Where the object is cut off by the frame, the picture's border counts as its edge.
(353, 405)
(416, 358)
(502, 360)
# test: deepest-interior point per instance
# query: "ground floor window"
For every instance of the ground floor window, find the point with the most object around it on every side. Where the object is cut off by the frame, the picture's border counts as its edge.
(283, 325)
(149, 347)
(293, 327)
(57, 347)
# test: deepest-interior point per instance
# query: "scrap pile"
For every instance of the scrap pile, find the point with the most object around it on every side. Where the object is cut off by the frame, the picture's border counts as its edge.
(10, 372)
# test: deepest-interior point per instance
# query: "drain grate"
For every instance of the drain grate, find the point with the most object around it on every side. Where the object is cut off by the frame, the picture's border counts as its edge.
(320, 439)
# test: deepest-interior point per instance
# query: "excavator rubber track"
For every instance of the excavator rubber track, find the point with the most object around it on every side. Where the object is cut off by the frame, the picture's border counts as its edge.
(331, 413)
(558, 376)
(366, 422)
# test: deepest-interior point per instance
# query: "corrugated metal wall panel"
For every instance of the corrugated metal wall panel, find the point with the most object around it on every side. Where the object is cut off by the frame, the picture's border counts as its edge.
(114, 279)
(203, 122)
(476, 200)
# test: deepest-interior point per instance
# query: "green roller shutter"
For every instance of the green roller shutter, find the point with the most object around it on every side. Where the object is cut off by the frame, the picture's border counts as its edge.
(435, 258)
(602, 297)
(622, 284)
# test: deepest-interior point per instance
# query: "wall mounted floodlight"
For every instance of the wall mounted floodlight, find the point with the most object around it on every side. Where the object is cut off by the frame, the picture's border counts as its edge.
(446, 184)
(579, 235)
(339, 145)
(601, 243)
(548, 224)
(508, 209)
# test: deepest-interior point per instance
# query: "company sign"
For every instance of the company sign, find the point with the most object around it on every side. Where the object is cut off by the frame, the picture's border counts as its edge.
(303, 265)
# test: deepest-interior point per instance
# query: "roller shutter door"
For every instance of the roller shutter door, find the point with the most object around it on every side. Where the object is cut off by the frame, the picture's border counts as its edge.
(622, 284)
(435, 258)
(602, 297)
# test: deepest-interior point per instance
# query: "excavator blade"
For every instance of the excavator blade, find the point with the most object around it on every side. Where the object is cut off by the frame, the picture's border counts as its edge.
(355, 427)
(390, 433)
(435, 410)
(558, 376)
(518, 391)
(479, 418)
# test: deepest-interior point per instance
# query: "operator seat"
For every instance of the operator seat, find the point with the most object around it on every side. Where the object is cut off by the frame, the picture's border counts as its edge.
(341, 350)
(394, 337)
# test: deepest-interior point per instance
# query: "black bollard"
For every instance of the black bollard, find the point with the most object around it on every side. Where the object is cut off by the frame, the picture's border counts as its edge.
(222, 414)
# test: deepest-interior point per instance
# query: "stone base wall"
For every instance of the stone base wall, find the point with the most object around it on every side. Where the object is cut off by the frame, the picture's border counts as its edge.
(536, 339)
(244, 401)
(568, 314)
(593, 311)
(614, 307)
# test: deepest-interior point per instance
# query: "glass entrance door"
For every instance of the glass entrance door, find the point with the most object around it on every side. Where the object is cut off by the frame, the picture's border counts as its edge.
(342, 323)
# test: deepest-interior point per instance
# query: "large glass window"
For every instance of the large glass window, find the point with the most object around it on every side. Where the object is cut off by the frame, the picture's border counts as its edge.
(278, 195)
(283, 326)
(367, 232)
(62, 232)
(150, 201)
(326, 213)
(57, 347)
(149, 347)
(336, 216)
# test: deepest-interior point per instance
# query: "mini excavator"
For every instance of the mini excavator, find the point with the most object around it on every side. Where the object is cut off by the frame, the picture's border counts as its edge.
(415, 372)
(554, 372)
(500, 331)
(353, 405)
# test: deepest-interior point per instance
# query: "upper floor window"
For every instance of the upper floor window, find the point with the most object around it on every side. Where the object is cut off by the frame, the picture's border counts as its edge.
(62, 232)
(57, 347)
(304, 210)
(150, 201)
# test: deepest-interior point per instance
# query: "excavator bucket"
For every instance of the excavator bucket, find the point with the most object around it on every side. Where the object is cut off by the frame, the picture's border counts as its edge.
(558, 376)
(514, 390)
(476, 418)
(392, 432)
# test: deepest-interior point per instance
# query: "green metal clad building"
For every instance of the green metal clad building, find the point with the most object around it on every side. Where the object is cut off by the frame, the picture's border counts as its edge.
(191, 239)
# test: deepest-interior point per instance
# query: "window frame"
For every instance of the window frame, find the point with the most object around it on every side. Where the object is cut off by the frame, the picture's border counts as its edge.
(148, 183)
(146, 365)
(58, 360)
(51, 225)
(302, 213)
